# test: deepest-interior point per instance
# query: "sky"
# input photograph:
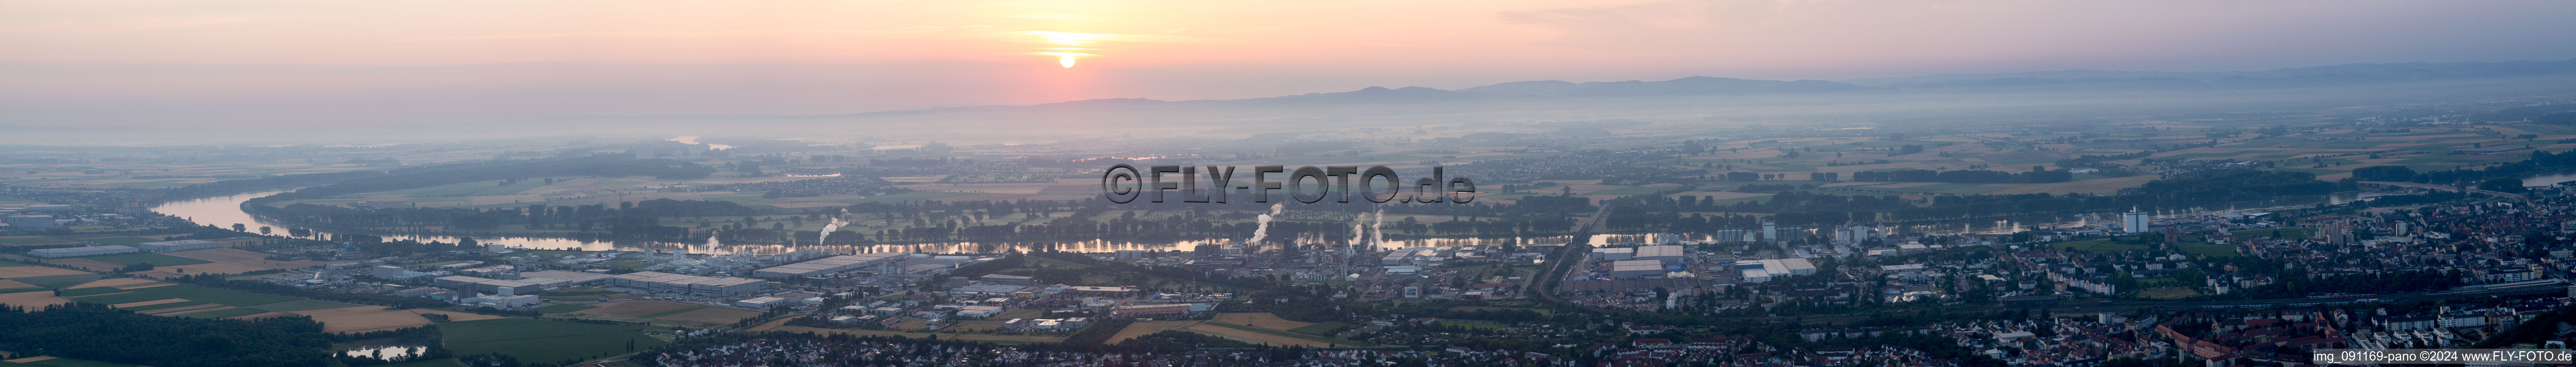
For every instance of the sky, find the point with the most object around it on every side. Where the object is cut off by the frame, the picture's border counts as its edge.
(291, 63)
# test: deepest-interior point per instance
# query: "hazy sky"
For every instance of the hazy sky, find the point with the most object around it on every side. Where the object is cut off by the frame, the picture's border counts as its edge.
(317, 62)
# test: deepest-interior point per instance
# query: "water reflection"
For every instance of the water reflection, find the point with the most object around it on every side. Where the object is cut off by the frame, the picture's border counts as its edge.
(2549, 179)
(226, 210)
(387, 351)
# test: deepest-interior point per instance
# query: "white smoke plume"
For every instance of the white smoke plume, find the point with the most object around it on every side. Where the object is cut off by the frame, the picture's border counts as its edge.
(1358, 232)
(835, 225)
(711, 239)
(1377, 232)
(1262, 230)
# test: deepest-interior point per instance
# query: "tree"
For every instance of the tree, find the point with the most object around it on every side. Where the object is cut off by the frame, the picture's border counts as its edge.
(263, 230)
(238, 227)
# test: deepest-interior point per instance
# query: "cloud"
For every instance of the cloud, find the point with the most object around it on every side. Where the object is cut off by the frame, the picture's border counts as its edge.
(704, 34)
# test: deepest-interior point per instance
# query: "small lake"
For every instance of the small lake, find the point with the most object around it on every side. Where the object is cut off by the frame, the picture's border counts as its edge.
(388, 351)
(2549, 179)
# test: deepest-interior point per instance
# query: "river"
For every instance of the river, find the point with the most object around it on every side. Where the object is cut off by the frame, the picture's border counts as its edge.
(226, 210)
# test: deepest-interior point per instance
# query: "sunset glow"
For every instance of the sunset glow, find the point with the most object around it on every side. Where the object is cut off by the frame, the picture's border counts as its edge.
(79, 55)
(1064, 58)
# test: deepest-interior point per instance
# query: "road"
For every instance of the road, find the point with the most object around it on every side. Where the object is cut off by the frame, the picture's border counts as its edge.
(2446, 188)
(1567, 254)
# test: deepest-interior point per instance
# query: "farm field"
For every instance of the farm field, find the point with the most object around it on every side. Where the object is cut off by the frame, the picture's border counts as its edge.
(636, 308)
(226, 297)
(223, 313)
(154, 259)
(119, 240)
(241, 257)
(1143, 328)
(1267, 336)
(1263, 320)
(1323, 328)
(61, 362)
(564, 308)
(30, 299)
(1470, 324)
(1540, 311)
(543, 341)
(456, 316)
(118, 298)
(982, 337)
(362, 318)
(302, 305)
(713, 315)
(113, 282)
(13, 272)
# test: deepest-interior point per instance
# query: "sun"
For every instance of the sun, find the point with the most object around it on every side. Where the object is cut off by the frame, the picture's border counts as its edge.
(1064, 58)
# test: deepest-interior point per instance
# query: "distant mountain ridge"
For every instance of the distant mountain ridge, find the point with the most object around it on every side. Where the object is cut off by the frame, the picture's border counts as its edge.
(2037, 81)
(2471, 69)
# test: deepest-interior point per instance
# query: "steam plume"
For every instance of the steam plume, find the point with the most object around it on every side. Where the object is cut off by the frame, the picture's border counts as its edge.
(1377, 231)
(828, 228)
(1262, 230)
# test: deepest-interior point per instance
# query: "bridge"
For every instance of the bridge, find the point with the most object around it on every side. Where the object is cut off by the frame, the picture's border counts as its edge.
(2446, 188)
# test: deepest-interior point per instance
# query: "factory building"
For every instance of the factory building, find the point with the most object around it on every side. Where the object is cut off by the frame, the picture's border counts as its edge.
(1663, 253)
(51, 253)
(690, 284)
(828, 265)
(1633, 269)
(1757, 271)
(486, 285)
(1614, 253)
(178, 245)
(395, 273)
(559, 278)
(31, 221)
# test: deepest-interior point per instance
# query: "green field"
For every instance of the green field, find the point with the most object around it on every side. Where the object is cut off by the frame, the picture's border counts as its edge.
(162, 305)
(223, 313)
(302, 305)
(154, 259)
(31, 240)
(75, 292)
(1289, 334)
(226, 297)
(59, 281)
(1470, 324)
(119, 241)
(674, 312)
(2101, 245)
(428, 363)
(1626, 191)
(564, 308)
(543, 341)
(68, 362)
(1324, 328)
(7, 263)
(2285, 232)
(121, 298)
(2211, 249)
